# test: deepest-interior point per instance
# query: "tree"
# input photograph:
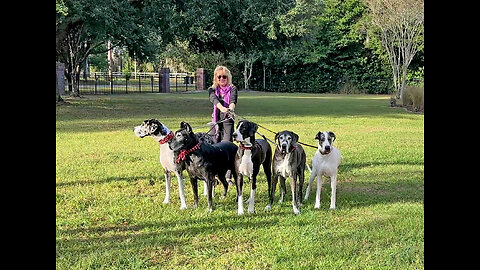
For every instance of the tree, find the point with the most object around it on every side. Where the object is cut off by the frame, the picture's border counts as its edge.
(400, 27)
(140, 26)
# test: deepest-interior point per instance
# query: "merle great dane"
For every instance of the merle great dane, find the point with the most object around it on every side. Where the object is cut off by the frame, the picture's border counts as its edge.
(250, 155)
(288, 162)
(160, 133)
(203, 161)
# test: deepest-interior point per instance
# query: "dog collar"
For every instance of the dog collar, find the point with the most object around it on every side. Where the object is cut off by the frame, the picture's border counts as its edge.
(294, 148)
(167, 138)
(245, 148)
(183, 154)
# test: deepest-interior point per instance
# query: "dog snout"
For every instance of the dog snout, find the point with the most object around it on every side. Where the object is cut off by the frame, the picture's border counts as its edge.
(327, 148)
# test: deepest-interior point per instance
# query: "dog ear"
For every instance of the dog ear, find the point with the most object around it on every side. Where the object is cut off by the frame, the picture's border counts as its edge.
(332, 135)
(252, 131)
(317, 137)
(276, 136)
(295, 138)
(186, 126)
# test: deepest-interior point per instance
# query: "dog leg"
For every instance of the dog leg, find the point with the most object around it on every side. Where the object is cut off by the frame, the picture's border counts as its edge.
(205, 189)
(271, 191)
(283, 188)
(181, 191)
(168, 180)
(319, 191)
(312, 176)
(268, 174)
(333, 183)
(225, 187)
(294, 201)
(240, 194)
(210, 193)
(301, 180)
(194, 183)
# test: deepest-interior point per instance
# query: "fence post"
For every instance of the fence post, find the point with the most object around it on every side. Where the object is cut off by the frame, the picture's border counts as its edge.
(151, 80)
(164, 80)
(201, 76)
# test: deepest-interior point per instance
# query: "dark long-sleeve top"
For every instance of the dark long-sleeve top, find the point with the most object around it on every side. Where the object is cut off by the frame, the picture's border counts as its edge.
(215, 99)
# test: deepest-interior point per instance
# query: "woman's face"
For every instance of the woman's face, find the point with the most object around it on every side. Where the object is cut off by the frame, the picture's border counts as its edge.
(222, 78)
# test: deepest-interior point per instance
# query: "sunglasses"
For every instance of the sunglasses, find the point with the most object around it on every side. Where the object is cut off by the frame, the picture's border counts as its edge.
(222, 77)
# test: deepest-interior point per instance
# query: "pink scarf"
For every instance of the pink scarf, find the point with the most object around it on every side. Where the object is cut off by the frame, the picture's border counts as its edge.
(225, 93)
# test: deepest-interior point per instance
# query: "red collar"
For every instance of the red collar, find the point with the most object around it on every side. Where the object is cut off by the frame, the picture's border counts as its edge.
(166, 138)
(245, 148)
(294, 148)
(183, 154)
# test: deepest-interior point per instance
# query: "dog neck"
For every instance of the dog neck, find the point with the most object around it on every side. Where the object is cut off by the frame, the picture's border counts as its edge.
(165, 139)
(245, 147)
(184, 153)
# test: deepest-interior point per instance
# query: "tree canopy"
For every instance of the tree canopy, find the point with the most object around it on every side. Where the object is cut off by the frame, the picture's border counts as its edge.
(278, 45)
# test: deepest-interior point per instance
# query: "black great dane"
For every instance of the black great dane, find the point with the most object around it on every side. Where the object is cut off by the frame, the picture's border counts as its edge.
(203, 161)
(250, 155)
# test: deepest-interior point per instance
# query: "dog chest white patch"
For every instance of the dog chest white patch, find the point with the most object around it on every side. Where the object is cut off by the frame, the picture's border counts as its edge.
(284, 168)
(246, 165)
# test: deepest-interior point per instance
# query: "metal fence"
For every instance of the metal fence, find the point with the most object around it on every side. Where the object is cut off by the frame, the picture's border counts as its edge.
(140, 82)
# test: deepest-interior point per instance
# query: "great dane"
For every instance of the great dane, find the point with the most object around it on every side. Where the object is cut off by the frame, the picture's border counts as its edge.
(288, 162)
(203, 161)
(159, 132)
(250, 155)
(326, 160)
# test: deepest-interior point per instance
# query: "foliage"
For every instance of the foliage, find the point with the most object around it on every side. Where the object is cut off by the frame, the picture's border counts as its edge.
(305, 45)
(413, 97)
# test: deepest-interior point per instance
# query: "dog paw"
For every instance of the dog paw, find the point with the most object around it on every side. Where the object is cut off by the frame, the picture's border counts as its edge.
(296, 212)
(183, 207)
(268, 207)
(240, 212)
(317, 206)
(332, 207)
(166, 201)
(251, 210)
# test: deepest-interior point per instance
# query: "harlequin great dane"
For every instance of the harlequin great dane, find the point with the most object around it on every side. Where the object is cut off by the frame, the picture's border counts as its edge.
(250, 155)
(203, 161)
(288, 162)
(160, 133)
(326, 160)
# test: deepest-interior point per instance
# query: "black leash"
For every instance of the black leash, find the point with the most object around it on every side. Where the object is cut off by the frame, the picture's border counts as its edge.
(243, 118)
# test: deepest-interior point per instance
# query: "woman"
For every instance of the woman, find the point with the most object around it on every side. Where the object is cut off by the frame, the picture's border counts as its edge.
(223, 94)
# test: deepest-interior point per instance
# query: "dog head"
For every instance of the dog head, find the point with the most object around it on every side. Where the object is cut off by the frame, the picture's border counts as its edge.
(325, 141)
(287, 141)
(184, 138)
(245, 133)
(151, 127)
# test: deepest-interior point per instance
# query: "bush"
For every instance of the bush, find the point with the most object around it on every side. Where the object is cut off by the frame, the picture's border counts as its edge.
(413, 97)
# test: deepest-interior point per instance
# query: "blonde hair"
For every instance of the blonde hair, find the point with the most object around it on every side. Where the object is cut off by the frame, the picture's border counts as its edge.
(227, 72)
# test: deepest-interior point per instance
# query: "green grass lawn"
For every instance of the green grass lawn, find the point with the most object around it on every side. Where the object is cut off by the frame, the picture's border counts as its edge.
(110, 188)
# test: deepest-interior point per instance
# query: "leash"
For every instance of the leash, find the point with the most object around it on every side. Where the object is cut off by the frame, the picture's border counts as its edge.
(243, 118)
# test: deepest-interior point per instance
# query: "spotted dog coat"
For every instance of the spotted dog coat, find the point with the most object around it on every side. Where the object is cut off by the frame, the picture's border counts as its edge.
(288, 162)
(160, 133)
(326, 160)
(250, 155)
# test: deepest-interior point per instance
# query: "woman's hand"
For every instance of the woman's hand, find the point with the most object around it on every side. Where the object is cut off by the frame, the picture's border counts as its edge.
(222, 108)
